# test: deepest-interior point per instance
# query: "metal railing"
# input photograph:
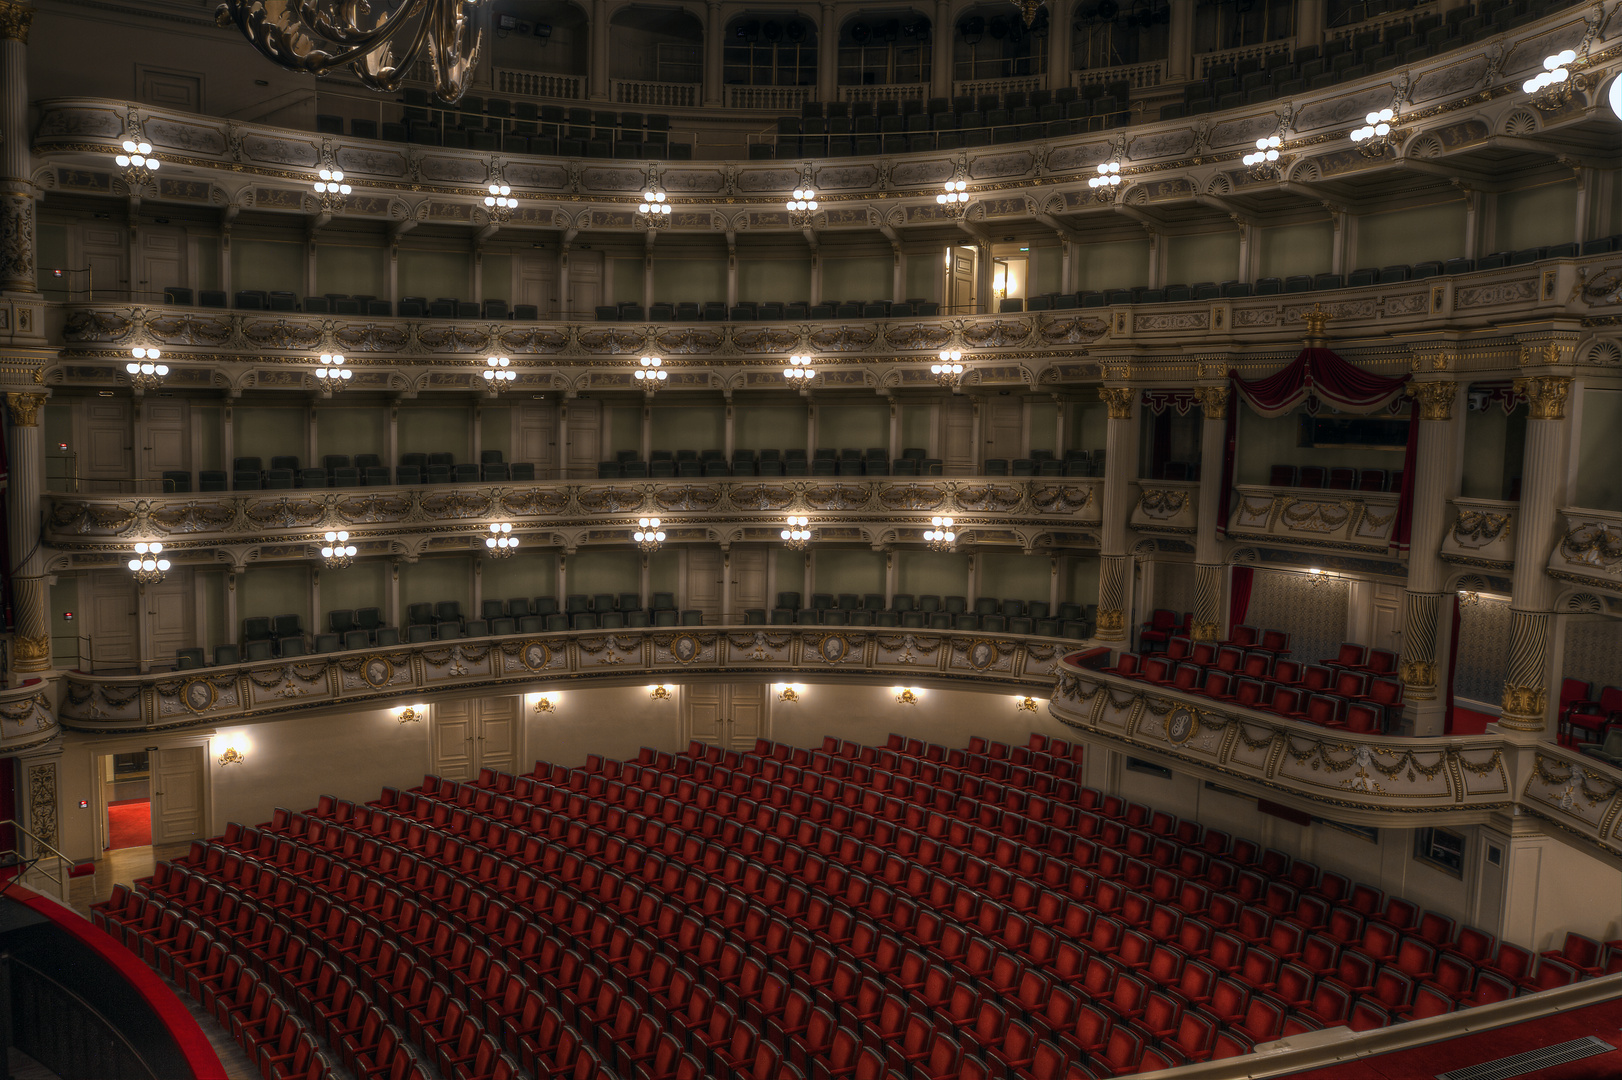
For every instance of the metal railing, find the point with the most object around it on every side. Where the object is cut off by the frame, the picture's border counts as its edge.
(34, 862)
(664, 95)
(540, 84)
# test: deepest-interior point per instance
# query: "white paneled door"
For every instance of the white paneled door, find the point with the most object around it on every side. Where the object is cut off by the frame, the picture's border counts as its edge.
(729, 715)
(475, 733)
(178, 813)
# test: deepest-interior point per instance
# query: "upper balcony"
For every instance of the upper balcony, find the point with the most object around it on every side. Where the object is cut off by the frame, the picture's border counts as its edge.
(1314, 517)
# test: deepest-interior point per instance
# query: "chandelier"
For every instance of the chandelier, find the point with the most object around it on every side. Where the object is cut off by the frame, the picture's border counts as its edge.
(500, 203)
(137, 160)
(940, 535)
(1263, 164)
(648, 535)
(498, 373)
(650, 374)
(654, 211)
(338, 552)
(799, 369)
(801, 206)
(949, 372)
(1551, 87)
(332, 372)
(147, 567)
(1028, 10)
(1374, 137)
(144, 371)
(379, 48)
(797, 535)
(331, 188)
(501, 542)
(954, 199)
(1107, 180)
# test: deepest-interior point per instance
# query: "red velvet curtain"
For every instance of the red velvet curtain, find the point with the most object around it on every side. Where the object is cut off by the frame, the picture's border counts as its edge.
(1401, 528)
(1230, 443)
(1452, 660)
(1239, 583)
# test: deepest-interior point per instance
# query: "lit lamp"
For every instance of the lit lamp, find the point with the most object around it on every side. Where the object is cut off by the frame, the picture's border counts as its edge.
(331, 188)
(137, 155)
(801, 205)
(789, 692)
(799, 369)
(659, 692)
(949, 372)
(501, 543)
(411, 714)
(954, 200)
(500, 202)
(797, 535)
(1264, 162)
(332, 372)
(1024, 703)
(1107, 180)
(1374, 136)
(337, 551)
(147, 567)
(1551, 87)
(546, 701)
(498, 373)
(232, 756)
(940, 536)
(654, 210)
(906, 695)
(144, 371)
(648, 535)
(650, 372)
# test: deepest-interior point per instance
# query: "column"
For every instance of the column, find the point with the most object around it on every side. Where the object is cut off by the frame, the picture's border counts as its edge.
(898, 275)
(597, 69)
(1120, 465)
(726, 586)
(1246, 272)
(1424, 711)
(1472, 222)
(1157, 260)
(1338, 246)
(563, 281)
(647, 435)
(985, 280)
(895, 429)
(1526, 684)
(1309, 22)
(563, 443)
(647, 280)
(732, 279)
(816, 276)
(392, 611)
(889, 579)
(392, 446)
(1208, 569)
(810, 430)
(712, 54)
(1180, 42)
(730, 440)
(31, 642)
(973, 586)
(827, 66)
(1067, 273)
(16, 190)
(560, 585)
(1059, 35)
(645, 582)
(1585, 179)
(942, 34)
(393, 272)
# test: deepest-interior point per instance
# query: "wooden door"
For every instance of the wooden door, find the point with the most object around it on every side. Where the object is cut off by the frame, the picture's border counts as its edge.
(703, 715)
(500, 727)
(171, 615)
(163, 262)
(538, 283)
(178, 813)
(164, 431)
(957, 438)
(704, 582)
(105, 451)
(748, 579)
(450, 736)
(746, 715)
(1387, 628)
(731, 716)
(585, 437)
(1004, 427)
(102, 250)
(960, 280)
(111, 623)
(585, 282)
(536, 438)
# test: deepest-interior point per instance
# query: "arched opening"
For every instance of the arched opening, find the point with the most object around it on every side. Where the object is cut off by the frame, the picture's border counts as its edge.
(1231, 24)
(992, 42)
(656, 45)
(547, 36)
(770, 50)
(1113, 34)
(885, 48)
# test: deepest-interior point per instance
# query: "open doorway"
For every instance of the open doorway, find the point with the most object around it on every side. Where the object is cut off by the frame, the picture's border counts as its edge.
(126, 781)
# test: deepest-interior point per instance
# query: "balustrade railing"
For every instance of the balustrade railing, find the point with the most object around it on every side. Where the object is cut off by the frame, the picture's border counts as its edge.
(975, 87)
(775, 98)
(540, 84)
(659, 94)
(1380, 22)
(896, 92)
(1205, 61)
(1141, 76)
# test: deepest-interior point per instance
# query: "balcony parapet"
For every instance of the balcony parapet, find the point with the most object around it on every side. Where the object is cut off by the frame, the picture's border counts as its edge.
(1030, 512)
(27, 717)
(223, 695)
(1588, 551)
(1353, 521)
(1168, 507)
(1482, 534)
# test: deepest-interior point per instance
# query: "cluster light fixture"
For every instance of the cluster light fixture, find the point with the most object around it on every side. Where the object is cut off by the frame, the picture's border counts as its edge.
(148, 566)
(498, 373)
(939, 535)
(1109, 176)
(799, 369)
(798, 533)
(501, 542)
(949, 371)
(650, 372)
(144, 371)
(649, 536)
(332, 373)
(338, 552)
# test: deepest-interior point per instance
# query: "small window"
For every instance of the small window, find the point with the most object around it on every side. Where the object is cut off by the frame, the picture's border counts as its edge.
(1441, 848)
(1140, 766)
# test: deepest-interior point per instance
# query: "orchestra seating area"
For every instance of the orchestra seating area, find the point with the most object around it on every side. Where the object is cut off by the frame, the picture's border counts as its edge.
(1357, 690)
(906, 912)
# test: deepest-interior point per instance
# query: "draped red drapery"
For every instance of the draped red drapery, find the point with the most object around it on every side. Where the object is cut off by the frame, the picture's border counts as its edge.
(1239, 582)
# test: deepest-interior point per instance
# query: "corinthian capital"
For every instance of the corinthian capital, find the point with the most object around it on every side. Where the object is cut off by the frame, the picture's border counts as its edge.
(1546, 394)
(1434, 399)
(15, 19)
(25, 408)
(1213, 400)
(1119, 400)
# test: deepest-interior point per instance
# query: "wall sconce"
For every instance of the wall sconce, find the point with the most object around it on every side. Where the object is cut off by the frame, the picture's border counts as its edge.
(411, 714)
(232, 756)
(659, 692)
(546, 702)
(1025, 704)
(1320, 577)
(789, 692)
(907, 695)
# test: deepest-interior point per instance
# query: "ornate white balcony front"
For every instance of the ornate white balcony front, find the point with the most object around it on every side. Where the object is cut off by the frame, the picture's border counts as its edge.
(1588, 550)
(1166, 507)
(1314, 517)
(1481, 534)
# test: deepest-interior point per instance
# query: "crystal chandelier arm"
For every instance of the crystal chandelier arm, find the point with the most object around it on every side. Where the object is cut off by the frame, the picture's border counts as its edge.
(451, 66)
(282, 30)
(378, 69)
(344, 29)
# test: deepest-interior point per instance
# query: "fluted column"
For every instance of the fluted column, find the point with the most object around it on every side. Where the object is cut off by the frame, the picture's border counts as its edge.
(25, 443)
(16, 190)
(827, 58)
(1060, 13)
(1120, 465)
(1434, 470)
(597, 68)
(1309, 22)
(1207, 548)
(1180, 41)
(1526, 683)
(712, 55)
(942, 36)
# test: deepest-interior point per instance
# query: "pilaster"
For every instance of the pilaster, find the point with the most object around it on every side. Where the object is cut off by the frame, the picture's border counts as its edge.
(1120, 465)
(17, 233)
(1208, 574)
(1434, 470)
(31, 643)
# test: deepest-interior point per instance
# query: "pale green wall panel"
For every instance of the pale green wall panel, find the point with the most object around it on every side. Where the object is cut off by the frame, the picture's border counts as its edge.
(1046, 269)
(1409, 236)
(689, 427)
(774, 279)
(65, 644)
(269, 590)
(791, 575)
(351, 431)
(664, 572)
(1014, 577)
(432, 579)
(267, 433)
(917, 424)
(758, 427)
(496, 276)
(1599, 481)
(267, 264)
(1264, 442)
(206, 261)
(853, 426)
(625, 277)
(210, 585)
(1538, 216)
(677, 281)
(530, 573)
(1121, 264)
(931, 573)
(1202, 257)
(1288, 250)
(51, 250)
(1088, 420)
(923, 276)
(496, 430)
(209, 451)
(365, 583)
(427, 430)
(354, 270)
(847, 570)
(860, 279)
(624, 424)
(1078, 580)
(605, 570)
(1044, 425)
(1484, 435)
(434, 274)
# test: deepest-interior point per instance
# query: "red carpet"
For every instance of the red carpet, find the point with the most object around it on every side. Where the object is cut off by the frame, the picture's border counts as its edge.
(1469, 722)
(129, 823)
